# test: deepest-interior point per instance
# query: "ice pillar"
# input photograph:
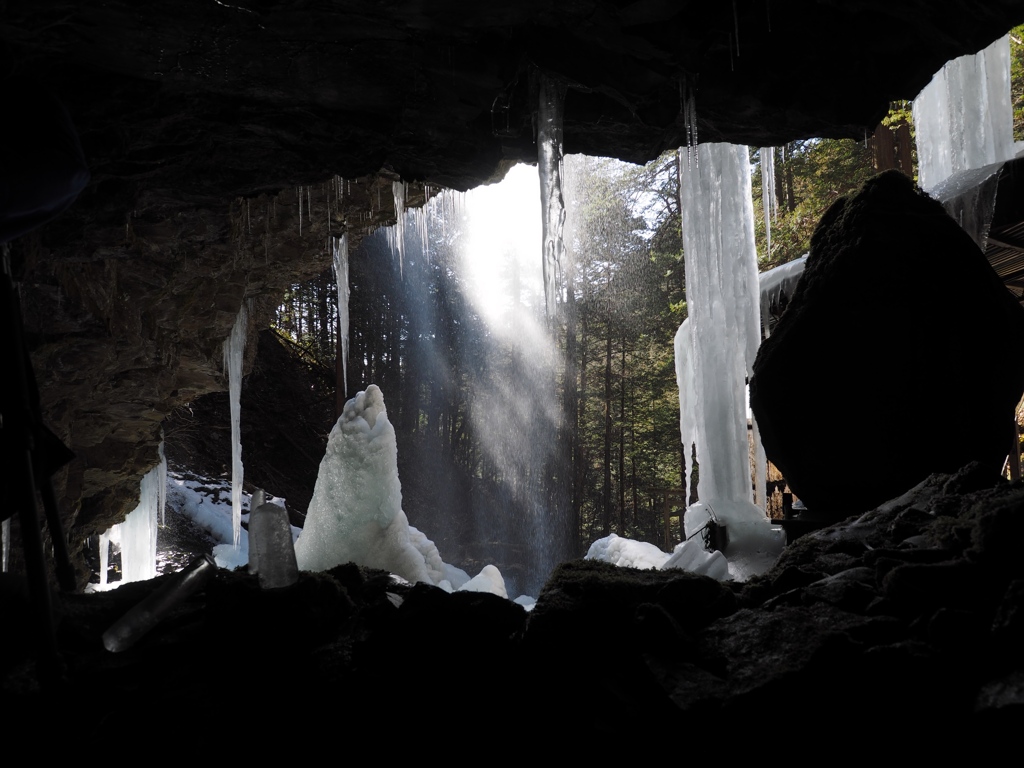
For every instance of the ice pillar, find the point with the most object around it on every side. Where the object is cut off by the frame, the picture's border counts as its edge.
(723, 302)
(341, 275)
(234, 349)
(549, 164)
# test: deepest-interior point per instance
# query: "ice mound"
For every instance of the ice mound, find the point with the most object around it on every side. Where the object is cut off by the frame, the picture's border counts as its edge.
(627, 553)
(356, 511)
(688, 556)
(488, 580)
(754, 543)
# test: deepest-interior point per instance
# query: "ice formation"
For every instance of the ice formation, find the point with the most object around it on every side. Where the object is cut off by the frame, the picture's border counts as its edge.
(137, 534)
(775, 283)
(356, 514)
(5, 543)
(234, 350)
(340, 248)
(964, 116)
(549, 165)
(716, 346)
(396, 234)
(768, 201)
(690, 556)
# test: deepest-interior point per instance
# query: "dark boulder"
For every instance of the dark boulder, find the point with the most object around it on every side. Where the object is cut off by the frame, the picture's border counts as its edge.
(895, 357)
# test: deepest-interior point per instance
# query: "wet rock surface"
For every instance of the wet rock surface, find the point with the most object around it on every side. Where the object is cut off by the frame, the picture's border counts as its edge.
(891, 361)
(910, 613)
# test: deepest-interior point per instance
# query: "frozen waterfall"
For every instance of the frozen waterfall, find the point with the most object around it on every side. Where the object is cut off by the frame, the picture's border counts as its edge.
(234, 350)
(137, 534)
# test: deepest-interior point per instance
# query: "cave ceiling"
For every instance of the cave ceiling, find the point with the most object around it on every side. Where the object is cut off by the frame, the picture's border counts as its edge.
(203, 121)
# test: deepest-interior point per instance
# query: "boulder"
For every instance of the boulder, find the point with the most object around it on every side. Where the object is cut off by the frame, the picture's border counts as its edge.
(895, 357)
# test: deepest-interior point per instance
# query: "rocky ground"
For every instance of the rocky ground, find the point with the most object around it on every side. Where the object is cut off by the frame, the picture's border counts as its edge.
(909, 617)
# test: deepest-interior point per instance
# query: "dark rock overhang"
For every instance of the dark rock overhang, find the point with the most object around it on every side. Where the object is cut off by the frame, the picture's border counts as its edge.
(233, 99)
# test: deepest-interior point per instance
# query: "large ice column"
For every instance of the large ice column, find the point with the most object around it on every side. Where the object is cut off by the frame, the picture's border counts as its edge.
(234, 350)
(5, 544)
(356, 514)
(341, 275)
(722, 299)
(549, 165)
(716, 347)
(964, 117)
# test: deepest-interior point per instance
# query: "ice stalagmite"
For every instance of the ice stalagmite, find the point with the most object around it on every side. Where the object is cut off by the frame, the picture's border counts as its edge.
(964, 116)
(234, 349)
(356, 514)
(720, 346)
(549, 164)
(341, 275)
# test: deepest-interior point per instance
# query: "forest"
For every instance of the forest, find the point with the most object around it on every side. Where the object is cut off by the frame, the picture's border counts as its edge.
(604, 451)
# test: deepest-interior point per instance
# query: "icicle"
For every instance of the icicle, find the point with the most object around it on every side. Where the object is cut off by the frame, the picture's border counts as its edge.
(5, 543)
(309, 203)
(341, 275)
(736, 23)
(299, 192)
(104, 545)
(162, 481)
(398, 189)
(549, 165)
(768, 202)
(716, 347)
(234, 349)
(690, 125)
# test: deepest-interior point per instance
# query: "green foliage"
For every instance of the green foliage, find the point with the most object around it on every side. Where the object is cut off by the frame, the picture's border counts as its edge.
(810, 175)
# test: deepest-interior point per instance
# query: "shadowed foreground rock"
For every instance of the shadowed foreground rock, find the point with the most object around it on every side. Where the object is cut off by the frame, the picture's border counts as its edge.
(894, 358)
(910, 614)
